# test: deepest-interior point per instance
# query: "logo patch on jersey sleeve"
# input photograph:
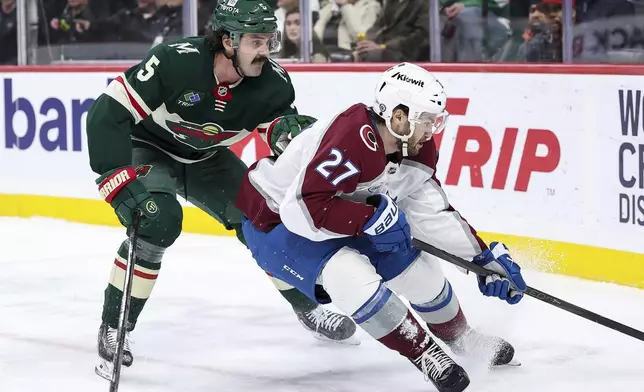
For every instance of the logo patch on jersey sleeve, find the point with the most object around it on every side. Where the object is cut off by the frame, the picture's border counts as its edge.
(190, 98)
(369, 137)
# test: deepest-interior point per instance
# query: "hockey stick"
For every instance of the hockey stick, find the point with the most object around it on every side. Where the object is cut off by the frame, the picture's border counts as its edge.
(532, 292)
(125, 302)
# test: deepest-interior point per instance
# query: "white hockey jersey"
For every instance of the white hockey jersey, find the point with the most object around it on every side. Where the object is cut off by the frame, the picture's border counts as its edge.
(317, 188)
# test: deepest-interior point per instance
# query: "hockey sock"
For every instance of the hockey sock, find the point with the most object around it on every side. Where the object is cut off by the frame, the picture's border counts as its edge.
(443, 314)
(385, 317)
(299, 302)
(146, 270)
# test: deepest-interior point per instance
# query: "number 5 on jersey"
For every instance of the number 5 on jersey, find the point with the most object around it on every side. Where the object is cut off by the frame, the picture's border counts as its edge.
(145, 74)
(335, 161)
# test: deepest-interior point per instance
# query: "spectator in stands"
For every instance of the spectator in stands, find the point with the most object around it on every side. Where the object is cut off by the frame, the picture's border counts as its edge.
(284, 6)
(543, 37)
(74, 24)
(100, 8)
(341, 21)
(8, 39)
(291, 40)
(172, 13)
(139, 24)
(401, 33)
(475, 38)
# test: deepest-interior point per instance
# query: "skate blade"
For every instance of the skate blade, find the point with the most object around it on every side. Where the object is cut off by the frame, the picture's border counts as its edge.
(351, 341)
(513, 363)
(104, 369)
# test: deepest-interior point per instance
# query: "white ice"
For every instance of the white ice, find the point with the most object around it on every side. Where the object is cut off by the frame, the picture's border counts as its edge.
(215, 323)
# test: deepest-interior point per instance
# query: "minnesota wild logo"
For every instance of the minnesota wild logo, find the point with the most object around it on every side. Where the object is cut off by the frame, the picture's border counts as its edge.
(199, 136)
(142, 170)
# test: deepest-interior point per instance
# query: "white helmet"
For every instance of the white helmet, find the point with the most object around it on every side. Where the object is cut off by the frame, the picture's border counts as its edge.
(415, 87)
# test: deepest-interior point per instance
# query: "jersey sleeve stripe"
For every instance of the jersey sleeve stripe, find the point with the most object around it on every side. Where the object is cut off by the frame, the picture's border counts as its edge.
(263, 127)
(263, 131)
(124, 94)
(134, 98)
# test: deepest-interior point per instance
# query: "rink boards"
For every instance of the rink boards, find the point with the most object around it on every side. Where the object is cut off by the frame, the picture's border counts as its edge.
(549, 160)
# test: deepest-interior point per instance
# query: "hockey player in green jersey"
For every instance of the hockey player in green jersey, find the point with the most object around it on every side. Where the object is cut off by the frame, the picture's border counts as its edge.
(162, 129)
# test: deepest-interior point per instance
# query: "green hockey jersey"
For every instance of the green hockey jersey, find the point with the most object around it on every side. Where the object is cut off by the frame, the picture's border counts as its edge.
(172, 101)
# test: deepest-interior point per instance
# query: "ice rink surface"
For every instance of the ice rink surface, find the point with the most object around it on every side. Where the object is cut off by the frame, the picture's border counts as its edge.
(215, 323)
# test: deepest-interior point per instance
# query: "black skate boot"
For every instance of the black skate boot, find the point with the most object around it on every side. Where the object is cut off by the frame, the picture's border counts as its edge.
(329, 326)
(491, 349)
(107, 337)
(441, 370)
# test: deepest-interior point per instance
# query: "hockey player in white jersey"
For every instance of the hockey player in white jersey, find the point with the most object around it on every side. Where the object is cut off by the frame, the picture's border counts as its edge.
(323, 217)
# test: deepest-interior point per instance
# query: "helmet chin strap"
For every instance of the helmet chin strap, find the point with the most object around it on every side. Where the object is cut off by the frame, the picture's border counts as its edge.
(404, 139)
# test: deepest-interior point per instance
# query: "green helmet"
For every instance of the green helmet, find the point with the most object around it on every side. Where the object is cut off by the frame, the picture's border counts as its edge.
(246, 16)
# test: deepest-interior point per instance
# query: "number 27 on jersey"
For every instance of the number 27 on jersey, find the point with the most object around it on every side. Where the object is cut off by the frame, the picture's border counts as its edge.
(328, 168)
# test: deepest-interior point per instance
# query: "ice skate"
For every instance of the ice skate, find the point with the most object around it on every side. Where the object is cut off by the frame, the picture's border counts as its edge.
(107, 349)
(441, 370)
(329, 326)
(491, 349)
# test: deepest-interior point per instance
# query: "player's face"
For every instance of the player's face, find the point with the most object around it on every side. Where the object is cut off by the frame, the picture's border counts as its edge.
(253, 52)
(423, 131)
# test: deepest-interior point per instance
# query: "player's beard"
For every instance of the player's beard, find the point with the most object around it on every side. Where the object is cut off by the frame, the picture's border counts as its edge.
(413, 147)
(418, 139)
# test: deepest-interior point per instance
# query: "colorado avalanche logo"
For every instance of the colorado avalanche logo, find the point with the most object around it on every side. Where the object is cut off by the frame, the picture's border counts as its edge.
(369, 137)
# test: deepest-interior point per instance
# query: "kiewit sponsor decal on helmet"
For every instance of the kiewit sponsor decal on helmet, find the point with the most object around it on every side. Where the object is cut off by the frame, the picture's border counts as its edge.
(405, 78)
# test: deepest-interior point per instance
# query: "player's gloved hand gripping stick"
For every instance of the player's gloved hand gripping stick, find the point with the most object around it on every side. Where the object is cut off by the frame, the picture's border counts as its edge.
(387, 229)
(126, 193)
(531, 292)
(506, 281)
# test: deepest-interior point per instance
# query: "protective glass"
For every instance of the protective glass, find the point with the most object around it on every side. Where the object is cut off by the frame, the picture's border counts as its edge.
(251, 42)
(429, 123)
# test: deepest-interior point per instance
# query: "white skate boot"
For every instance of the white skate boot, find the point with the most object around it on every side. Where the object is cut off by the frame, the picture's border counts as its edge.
(491, 349)
(107, 337)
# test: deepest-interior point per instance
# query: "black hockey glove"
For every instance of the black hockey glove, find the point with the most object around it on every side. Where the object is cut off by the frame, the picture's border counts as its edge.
(125, 193)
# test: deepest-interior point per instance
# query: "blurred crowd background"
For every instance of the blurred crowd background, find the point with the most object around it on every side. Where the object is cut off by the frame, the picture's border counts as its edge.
(344, 30)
